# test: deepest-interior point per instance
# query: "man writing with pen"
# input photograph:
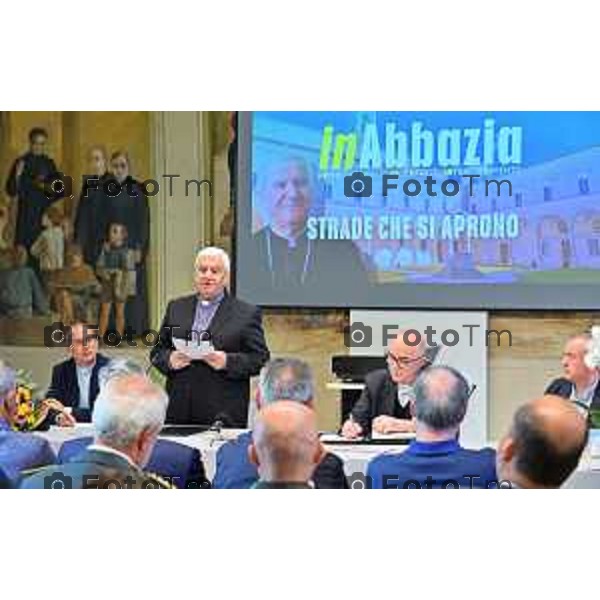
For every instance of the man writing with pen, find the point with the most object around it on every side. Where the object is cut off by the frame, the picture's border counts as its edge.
(385, 404)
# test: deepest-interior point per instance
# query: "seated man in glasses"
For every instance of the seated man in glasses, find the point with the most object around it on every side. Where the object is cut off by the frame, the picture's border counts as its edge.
(385, 404)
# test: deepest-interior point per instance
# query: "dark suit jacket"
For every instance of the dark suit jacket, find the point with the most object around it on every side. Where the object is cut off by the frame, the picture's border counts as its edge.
(235, 471)
(380, 397)
(179, 464)
(91, 470)
(334, 270)
(65, 387)
(563, 387)
(198, 393)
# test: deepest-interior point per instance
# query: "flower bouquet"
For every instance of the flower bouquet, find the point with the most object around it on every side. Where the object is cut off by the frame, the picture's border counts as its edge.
(32, 411)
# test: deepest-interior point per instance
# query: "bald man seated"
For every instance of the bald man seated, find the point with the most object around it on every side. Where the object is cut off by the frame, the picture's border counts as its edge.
(385, 404)
(580, 384)
(285, 446)
(544, 444)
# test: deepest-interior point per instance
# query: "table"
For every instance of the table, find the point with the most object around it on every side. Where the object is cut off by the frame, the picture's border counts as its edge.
(355, 456)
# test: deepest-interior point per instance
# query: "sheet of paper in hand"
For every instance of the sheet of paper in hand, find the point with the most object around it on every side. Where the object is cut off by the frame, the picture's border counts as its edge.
(195, 349)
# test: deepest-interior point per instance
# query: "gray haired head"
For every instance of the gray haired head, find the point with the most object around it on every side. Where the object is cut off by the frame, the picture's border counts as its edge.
(441, 397)
(286, 379)
(127, 406)
(8, 380)
(117, 367)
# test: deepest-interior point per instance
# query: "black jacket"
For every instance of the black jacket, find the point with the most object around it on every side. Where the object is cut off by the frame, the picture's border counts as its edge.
(65, 387)
(563, 387)
(198, 393)
(380, 397)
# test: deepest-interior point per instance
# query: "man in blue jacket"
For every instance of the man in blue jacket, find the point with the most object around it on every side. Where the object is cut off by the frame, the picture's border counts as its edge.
(436, 459)
(281, 379)
(18, 451)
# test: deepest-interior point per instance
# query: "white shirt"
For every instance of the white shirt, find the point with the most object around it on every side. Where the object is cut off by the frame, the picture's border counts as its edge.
(84, 377)
(587, 396)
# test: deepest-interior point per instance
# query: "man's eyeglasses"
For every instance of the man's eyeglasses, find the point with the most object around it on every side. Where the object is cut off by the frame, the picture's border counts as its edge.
(402, 361)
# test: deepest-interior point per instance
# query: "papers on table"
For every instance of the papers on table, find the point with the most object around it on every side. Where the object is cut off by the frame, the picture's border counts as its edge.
(194, 349)
(376, 438)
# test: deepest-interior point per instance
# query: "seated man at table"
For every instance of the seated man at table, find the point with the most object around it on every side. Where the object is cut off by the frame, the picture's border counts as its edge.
(580, 383)
(544, 444)
(435, 459)
(18, 451)
(75, 380)
(128, 416)
(285, 446)
(281, 379)
(384, 405)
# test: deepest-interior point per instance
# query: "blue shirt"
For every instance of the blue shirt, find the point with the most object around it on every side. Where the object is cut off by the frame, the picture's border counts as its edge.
(434, 465)
(84, 376)
(205, 311)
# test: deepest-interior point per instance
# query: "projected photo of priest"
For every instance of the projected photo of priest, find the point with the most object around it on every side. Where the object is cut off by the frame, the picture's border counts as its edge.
(288, 263)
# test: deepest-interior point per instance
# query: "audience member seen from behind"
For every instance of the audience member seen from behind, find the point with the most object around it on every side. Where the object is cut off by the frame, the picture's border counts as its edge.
(285, 446)
(544, 444)
(280, 379)
(435, 459)
(128, 417)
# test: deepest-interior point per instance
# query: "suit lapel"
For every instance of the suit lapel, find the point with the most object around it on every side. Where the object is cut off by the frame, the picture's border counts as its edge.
(221, 316)
(73, 382)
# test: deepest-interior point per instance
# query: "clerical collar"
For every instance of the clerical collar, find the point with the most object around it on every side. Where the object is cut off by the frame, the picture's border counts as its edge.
(216, 300)
(291, 243)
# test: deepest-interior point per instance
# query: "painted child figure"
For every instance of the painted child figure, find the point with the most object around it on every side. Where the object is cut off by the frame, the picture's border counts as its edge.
(116, 270)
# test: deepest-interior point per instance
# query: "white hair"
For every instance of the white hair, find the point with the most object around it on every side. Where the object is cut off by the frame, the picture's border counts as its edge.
(128, 405)
(215, 252)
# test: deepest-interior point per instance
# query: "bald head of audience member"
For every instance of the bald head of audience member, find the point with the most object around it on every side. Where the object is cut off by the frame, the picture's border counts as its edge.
(129, 413)
(285, 443)
(441, 398)
(544, 444)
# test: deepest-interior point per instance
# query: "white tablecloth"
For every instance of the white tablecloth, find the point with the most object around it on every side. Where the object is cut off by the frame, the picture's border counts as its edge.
(356, 457)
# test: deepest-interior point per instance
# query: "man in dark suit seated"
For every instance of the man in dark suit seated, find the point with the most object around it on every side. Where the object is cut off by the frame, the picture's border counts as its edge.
(384, 405)
(75, 381)
(544, 444)
(18, 451)
(285, 446)
(281, 379)
(580, 383)
(436, 459)
(128, 416)
(215, 386)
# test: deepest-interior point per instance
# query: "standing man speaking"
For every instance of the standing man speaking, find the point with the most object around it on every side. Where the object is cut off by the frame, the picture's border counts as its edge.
(217, 385)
